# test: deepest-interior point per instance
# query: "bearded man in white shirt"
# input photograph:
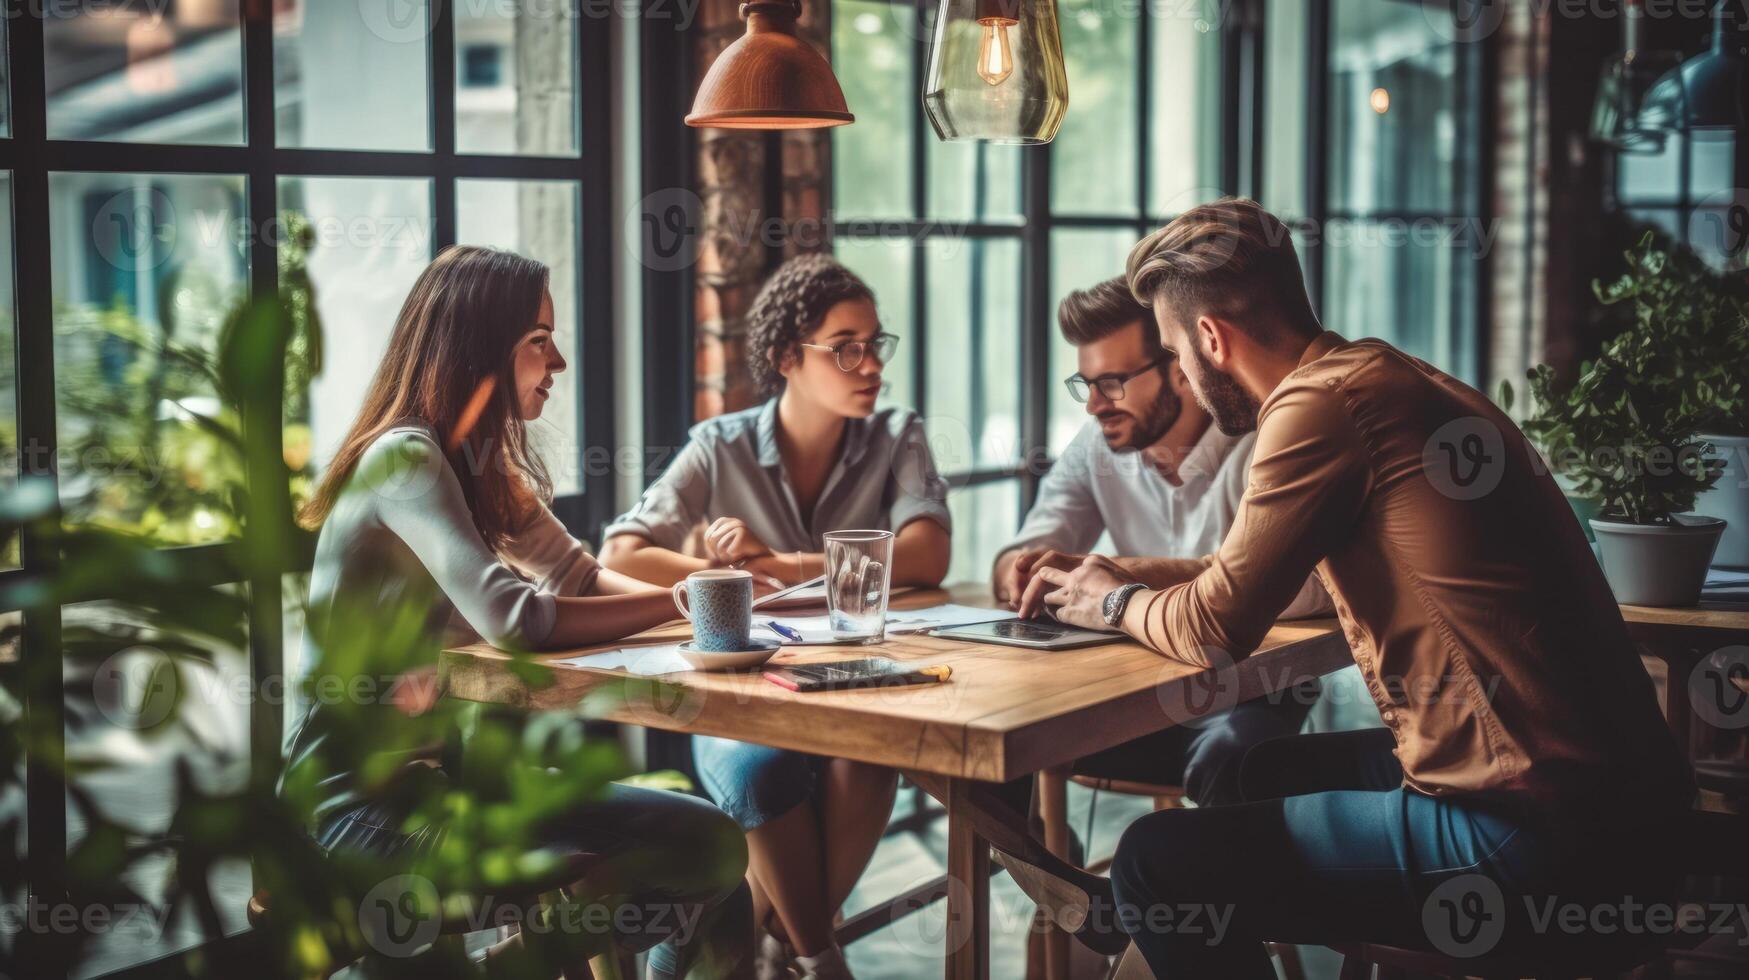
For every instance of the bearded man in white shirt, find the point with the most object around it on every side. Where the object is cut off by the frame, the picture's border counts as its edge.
(1151, 468)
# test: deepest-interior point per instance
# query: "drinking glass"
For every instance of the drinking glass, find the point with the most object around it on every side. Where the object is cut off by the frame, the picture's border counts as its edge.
(859, 575)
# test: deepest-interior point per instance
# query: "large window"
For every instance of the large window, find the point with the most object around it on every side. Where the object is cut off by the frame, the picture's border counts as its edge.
(1688, 188)
(161, 163)
(1371, 150)
(1351, 118)
(970, 246)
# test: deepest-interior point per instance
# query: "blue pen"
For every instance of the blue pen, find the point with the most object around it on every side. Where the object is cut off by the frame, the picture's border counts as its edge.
(783, 631)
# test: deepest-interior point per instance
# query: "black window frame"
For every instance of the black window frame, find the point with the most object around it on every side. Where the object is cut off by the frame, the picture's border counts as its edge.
(1243, 138)
(31, 157)
(1240, 99)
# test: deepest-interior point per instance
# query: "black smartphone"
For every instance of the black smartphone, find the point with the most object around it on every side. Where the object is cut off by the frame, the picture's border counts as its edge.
(843, 674)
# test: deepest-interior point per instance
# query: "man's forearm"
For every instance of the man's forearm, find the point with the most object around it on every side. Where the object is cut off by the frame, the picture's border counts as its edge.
(1145, 620)
(1161, 573)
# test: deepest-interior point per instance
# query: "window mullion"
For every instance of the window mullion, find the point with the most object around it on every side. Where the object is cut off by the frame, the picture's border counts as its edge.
(40, 658)
(266, 634)
(442, 69)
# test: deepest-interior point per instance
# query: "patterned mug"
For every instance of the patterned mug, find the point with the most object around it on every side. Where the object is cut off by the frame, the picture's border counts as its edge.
(719, 604)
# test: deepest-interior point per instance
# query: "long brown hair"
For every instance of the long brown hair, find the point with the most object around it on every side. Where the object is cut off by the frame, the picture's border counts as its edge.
(449, 366)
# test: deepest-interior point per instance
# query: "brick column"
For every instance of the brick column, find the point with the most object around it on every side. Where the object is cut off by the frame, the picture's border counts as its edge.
(747, 231)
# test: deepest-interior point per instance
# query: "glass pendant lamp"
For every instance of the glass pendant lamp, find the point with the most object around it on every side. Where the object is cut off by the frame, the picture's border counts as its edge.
(996, 72)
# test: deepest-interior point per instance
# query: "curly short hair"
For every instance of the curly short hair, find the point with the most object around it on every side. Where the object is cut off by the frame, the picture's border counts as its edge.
(790, 305)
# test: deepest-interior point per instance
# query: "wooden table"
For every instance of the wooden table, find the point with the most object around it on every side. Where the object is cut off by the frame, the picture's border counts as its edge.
(1007, 712)
(1681, 638)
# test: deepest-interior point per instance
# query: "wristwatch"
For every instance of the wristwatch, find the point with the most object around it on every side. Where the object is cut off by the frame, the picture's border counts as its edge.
(1117, 600)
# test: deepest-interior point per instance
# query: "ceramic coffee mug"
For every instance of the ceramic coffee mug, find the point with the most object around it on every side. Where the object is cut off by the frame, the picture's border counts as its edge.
(719, 604)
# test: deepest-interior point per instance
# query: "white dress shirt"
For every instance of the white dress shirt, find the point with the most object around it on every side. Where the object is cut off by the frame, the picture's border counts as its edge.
(1093, 489)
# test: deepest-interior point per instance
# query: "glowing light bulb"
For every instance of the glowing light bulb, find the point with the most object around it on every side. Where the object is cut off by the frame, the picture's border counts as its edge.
(995, 56)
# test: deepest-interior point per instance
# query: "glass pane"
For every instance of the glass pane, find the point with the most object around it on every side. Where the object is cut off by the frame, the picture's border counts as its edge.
(516, 78)
(985, 518)
(873, 53)
(1650, 178)
(1385, 283)
(1393, 104)
(974, 353)
(1093, 158)
(539, 219)
(1284, 108)
(133, 718)
(145, 267)
(1184, 108)
(8, 364)
(352, 75)
(1080, 259)
(1714, 164)
(974, 181)
(145, 72)
(372, 237)
(1667, 221)
(885, 264)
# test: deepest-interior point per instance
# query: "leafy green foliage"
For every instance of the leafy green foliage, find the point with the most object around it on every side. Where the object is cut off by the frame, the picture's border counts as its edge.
(376, 678)
(1627, 430)
(150, 442)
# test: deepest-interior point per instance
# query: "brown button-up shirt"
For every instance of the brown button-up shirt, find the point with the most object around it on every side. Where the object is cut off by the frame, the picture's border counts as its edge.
(1473, 604)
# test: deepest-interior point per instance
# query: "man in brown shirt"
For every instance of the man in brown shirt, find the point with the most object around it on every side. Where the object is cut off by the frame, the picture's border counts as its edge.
(1523, 749)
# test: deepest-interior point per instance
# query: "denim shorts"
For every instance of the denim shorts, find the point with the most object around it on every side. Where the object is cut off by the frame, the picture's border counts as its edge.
(755, 783)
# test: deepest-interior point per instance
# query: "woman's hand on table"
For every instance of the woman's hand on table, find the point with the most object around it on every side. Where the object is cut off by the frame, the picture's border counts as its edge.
(729, 540)
(1077, 596)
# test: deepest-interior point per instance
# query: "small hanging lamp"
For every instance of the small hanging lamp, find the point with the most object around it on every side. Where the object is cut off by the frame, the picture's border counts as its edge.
(996, 72)
(769, 78)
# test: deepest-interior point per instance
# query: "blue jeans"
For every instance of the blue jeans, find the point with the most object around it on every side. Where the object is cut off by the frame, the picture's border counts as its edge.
(666, 860)
(755, 783)
(1330, 848)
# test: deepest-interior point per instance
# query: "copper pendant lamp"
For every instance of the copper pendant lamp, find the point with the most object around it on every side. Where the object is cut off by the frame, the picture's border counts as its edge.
(769, 78)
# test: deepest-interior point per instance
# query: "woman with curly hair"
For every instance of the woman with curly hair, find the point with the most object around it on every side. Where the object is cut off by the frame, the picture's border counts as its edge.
(768, 483)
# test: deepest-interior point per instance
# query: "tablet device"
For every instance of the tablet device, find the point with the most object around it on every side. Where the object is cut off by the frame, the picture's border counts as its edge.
(1037, 634)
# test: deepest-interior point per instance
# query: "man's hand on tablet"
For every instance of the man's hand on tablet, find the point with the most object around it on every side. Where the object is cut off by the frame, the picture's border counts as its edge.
(1026, 565)
(1075, 597)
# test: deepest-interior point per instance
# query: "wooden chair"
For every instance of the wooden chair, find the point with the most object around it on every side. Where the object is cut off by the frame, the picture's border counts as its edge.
(1053, 795)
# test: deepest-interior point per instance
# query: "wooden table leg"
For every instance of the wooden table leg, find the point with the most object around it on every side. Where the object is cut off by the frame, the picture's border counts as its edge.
(1053, 805)
(968, 891)
(1678, 710)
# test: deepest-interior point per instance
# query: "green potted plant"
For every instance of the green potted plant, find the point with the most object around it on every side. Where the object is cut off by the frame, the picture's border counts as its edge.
(1626, 433)
(1716, 306)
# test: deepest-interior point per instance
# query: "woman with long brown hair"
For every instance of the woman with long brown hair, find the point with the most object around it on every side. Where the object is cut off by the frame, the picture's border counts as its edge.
(436, 493)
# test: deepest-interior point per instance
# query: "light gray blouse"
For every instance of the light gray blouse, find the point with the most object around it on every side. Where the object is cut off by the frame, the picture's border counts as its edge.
(402, 530)
(884, 478)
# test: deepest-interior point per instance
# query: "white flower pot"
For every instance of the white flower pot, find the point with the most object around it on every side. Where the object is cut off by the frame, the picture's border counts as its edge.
(1658, 565)
(1729, 500)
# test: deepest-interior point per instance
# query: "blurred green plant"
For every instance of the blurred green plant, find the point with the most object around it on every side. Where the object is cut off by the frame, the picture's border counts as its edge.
(148, 447)
(1626, 432)
(512, 771)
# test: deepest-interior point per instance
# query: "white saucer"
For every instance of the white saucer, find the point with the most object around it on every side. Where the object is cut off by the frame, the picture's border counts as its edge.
(758, 653)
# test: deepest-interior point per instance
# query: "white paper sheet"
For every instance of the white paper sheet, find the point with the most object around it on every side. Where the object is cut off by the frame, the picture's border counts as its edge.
(647, 661)
(818, 629)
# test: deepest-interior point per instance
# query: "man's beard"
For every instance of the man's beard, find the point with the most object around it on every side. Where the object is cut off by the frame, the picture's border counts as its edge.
(1232, 407)
(1152, 422)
